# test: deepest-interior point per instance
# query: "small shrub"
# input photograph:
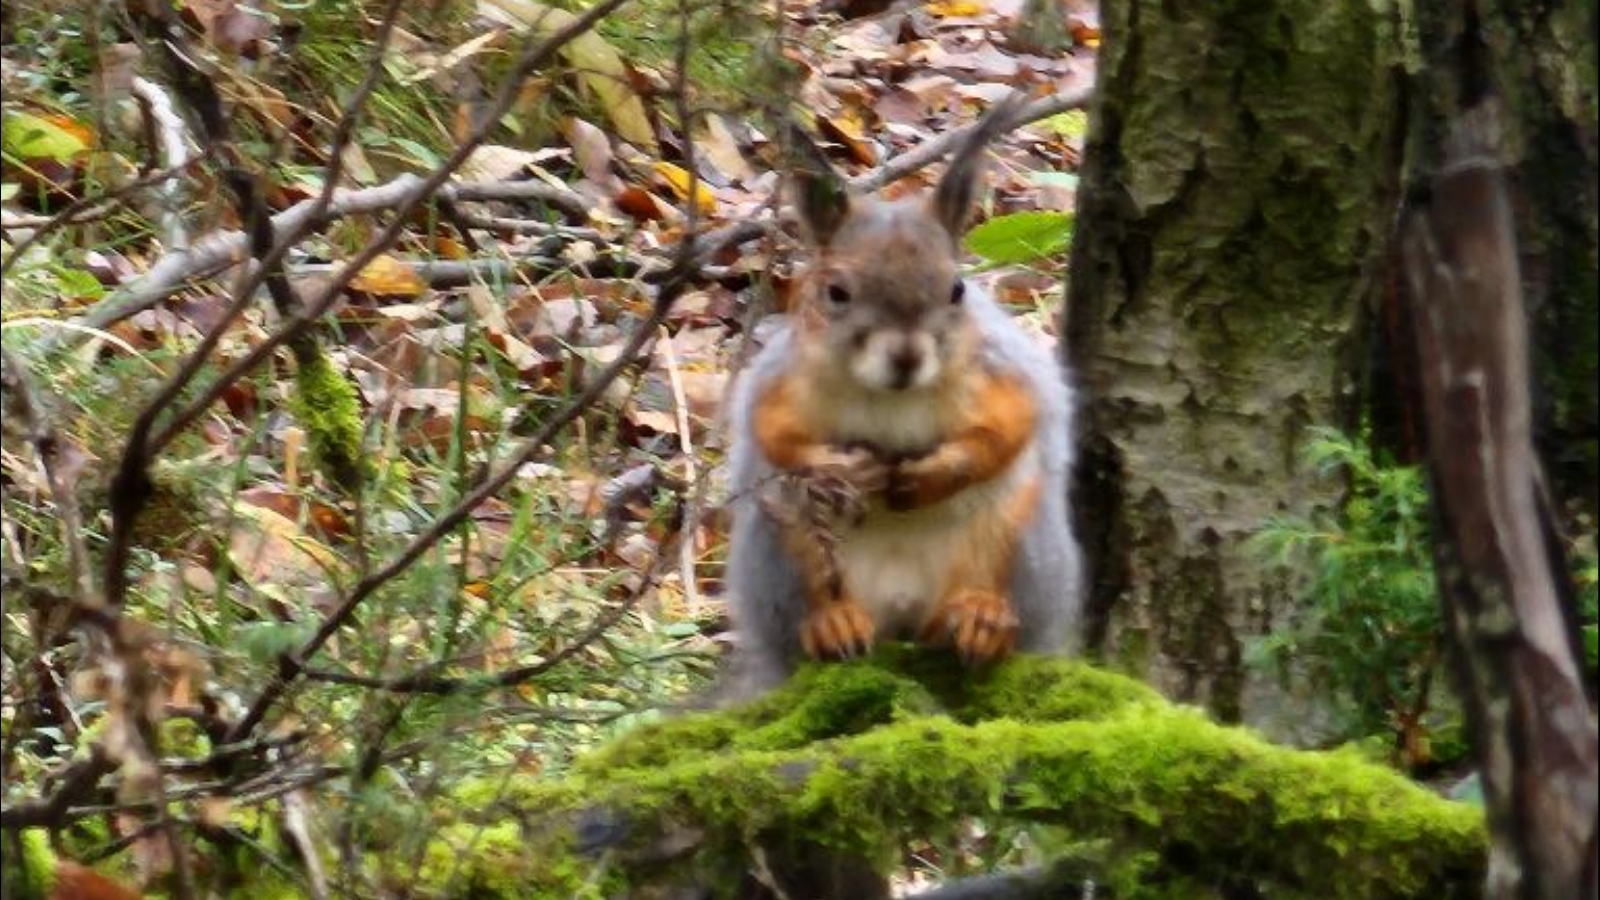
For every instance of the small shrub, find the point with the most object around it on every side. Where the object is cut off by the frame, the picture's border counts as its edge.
(1373, 631)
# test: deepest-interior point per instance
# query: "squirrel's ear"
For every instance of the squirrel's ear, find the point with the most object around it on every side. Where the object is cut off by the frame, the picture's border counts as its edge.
(819, 192)
(822, 201)
(957, 193)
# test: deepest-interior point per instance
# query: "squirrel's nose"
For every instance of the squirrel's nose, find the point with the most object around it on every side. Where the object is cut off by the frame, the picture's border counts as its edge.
(905, 360)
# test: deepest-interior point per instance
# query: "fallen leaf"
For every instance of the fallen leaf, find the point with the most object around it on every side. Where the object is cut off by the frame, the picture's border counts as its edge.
(848, 129)
(328, 521)
(462, 52)
(642, 205)
(946, 9)
(720, 146)
(75, 882)
(600, 69)
(677, 178)
(592, 150)
(497, 162)
(273, 555)
(386, 276)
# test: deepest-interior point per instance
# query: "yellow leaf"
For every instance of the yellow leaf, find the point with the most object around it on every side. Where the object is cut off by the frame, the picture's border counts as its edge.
(849, 129)
(677, 178)
(954, 9)
(386, 276)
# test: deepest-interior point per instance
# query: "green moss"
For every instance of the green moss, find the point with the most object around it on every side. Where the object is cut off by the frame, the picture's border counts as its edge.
(32, 873)
(1040, 689)
(1178, 800)
(262, 886)
(184, 737)
(821, 701)
(325, 403)
(471, 860)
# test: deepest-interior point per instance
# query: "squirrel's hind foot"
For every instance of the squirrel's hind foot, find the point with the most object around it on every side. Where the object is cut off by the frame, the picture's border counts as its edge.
(980, 624)
(838, 629)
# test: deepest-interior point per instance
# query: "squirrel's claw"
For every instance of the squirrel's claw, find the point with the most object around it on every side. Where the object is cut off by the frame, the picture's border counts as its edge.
(839, 630)
(980, 624)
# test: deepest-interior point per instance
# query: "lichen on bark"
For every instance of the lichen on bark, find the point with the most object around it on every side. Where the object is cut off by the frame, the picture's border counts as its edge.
(1238, 178)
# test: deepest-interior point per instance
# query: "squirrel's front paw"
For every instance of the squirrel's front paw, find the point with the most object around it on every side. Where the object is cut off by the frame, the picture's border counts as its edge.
(979, 623)
(920, 481)
(839, 629)
(859, 467)
(839, 485)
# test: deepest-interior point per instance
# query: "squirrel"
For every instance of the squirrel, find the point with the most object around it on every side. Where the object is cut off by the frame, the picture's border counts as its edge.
(900, 448)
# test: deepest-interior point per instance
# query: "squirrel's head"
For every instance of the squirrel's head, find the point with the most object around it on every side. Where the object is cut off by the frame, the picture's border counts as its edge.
(884, 298)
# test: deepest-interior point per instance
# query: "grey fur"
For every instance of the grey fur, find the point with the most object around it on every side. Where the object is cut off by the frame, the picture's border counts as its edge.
(765, 591)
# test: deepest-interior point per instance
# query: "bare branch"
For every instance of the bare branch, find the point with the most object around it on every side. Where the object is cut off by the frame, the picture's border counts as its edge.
(935, 149)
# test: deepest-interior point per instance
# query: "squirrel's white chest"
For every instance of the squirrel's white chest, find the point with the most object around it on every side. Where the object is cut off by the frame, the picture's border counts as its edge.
(896, 422)
(898, 566)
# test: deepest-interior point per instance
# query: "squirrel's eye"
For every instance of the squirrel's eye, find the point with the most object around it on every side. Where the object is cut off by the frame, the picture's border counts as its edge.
(958, 292)
(838, 294)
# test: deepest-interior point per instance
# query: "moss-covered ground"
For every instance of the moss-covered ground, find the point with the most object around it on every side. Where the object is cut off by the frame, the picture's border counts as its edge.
(861, 758)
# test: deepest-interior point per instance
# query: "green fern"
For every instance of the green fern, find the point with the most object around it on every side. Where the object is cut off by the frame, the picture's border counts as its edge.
(1373, 630)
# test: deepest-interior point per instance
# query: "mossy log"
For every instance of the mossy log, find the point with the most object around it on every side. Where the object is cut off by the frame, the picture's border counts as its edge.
(852, 761)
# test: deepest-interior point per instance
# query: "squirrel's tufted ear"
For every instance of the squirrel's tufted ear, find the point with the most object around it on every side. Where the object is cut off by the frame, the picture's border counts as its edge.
(819, 192)
(957, 193)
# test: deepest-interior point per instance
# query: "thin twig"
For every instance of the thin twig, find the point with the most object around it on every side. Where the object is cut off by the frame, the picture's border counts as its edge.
(82, 210)
(509, 89)
(25, 407)
(292, 667)
(933, 150)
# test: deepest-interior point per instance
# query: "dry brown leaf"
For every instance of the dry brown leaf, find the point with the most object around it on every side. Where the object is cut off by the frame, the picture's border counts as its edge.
(75, 882)
(720, 146)
(849, 129)
(648, 422)
(272, 554)
(497, 162)
(592, 150)
(985, 61)
(268, 103)
(601, 70)
(868, 40)
(325, 519)
(439, 431)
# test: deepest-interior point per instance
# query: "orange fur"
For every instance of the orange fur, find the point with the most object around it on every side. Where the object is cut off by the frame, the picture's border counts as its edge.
(898, 391)
(975, 613)
(788, 439)
(1000, 424)
(981, 421)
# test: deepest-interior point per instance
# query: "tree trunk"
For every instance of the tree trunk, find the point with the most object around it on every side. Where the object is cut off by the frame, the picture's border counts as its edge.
(1497, 560)
(1541, 58)
(1498, 254)
(1239, 177)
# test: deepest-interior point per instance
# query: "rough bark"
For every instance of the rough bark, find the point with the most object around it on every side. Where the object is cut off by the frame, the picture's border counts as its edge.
(1239, 177)
(1522, 686)
(1479, 217)
(1542, 59)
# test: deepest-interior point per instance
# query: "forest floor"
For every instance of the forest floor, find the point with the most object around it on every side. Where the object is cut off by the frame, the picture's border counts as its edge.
(585, 594)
